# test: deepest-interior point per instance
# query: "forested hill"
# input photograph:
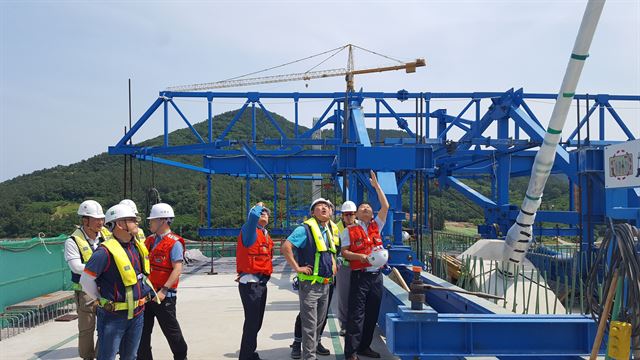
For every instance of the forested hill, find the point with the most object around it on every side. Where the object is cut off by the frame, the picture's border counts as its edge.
(46, 200)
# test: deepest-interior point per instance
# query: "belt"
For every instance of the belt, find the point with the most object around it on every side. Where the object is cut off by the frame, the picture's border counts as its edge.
(363, 271)
(118, 306)
(314, 278)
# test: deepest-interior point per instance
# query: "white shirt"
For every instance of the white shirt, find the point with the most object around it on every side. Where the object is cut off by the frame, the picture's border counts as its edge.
(72, 253)
(345, 240)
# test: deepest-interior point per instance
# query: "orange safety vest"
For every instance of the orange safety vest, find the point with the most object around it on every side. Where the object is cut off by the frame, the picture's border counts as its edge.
(255, 259)
(363, 243)
(160, 259)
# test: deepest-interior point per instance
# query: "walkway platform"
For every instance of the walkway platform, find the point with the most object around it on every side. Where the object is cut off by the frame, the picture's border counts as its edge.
(210, 313)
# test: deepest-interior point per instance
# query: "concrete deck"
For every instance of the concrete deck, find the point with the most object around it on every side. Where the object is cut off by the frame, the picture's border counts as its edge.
(210, 313)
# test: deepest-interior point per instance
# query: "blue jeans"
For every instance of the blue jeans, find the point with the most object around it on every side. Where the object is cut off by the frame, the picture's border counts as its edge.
(116, 334)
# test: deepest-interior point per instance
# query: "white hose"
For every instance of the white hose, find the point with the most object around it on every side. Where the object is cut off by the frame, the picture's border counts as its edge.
(519, 236)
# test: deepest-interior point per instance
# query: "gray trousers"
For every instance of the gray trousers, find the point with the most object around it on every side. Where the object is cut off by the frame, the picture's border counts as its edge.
(343, 281)
(314, 300)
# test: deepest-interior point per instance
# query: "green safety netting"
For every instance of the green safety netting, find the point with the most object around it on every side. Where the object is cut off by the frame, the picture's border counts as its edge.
(32, 267)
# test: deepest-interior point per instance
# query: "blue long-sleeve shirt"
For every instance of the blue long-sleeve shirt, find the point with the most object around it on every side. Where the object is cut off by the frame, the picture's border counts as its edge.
(249, 235)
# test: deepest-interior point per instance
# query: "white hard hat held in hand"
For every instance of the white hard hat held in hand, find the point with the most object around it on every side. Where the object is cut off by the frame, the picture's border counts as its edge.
(378, 257)
(161, 211)
(91, 208)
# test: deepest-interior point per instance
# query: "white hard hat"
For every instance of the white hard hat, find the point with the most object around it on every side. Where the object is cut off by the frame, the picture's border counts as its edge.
(119, 211)
(378, 257)
(91, 208)
(161, 211)
(130, 204)
(320, 200)
(405, 236)
(348, 206)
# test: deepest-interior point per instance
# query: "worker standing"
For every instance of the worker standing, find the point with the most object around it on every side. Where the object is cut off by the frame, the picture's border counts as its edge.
(140, 236)
(343, 277)
(254, 265)
(78, 249)
(296, 346)
(166, 254)
(115, 277)
(359, 242)
(315, 264)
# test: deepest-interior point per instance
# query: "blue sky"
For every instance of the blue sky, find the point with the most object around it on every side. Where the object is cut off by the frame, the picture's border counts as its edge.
(64, 65)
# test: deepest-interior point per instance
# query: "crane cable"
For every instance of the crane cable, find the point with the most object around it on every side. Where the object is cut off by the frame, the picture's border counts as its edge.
(289, 63)
(335, 51)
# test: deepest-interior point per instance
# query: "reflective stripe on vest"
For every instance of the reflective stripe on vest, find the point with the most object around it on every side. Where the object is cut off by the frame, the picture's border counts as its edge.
(321, 247)
(126, 270)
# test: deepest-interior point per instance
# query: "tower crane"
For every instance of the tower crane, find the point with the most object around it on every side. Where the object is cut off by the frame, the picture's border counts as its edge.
(349, 73)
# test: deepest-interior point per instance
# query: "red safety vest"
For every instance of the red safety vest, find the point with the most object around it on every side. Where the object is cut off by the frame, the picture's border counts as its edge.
(255, 259)
(363, 243)
(160, 259)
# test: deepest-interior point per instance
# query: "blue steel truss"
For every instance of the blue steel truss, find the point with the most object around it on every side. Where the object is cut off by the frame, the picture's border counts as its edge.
(495, 135)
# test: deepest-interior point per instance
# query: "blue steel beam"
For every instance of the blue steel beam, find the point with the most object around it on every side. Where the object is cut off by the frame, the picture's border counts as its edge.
(536, 133)
(275, 165)
(489, 335)
(461, 325)
(465, 160)
(470, 193)
(143, 119)
(384, 95)
(247, 150)
(233, 122)
(272, 120)
(355, 157)
(184, 118)
(177, 164)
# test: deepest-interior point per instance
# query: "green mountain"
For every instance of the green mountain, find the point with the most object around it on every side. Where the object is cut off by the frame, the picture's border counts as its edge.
(46, 200)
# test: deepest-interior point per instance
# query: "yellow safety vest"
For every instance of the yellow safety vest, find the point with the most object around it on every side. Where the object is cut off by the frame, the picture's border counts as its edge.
(333, 237)
(85, 252)
(340, 227)
(140, 236)
(127, 272)
(106, 234)
(83, 245)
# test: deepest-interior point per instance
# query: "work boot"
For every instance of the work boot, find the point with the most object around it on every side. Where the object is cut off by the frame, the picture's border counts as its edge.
(296, 350)
(368, 352)
(321, 350)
